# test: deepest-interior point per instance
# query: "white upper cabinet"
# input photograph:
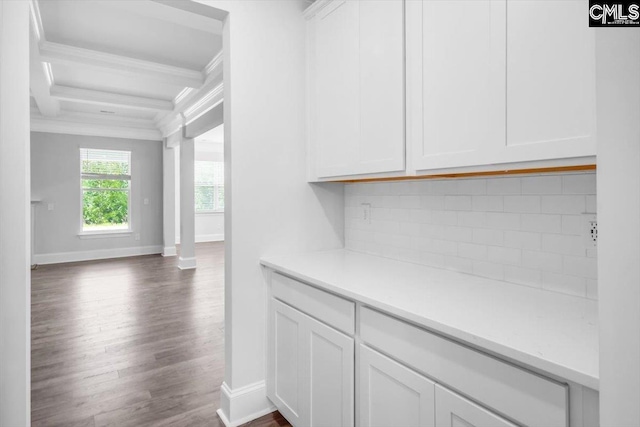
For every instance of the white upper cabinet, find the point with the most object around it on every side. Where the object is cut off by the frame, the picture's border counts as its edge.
(456, 52)
(551, 108)
(488, 82)
(356, 88)
(505, 82)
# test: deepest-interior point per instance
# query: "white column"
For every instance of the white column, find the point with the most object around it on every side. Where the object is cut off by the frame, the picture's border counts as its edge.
(168, 201)
(15, 221)
(618, 124)
(187, 206)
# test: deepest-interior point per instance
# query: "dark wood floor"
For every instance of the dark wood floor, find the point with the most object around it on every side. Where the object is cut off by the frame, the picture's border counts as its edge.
(129, 342)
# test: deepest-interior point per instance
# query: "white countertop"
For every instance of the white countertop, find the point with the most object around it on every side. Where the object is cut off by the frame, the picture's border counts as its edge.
(545, 330)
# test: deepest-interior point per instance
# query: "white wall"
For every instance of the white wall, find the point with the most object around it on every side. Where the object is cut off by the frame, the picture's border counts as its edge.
(269, 206)
(15, 277)
(56, 180)
(618, 92)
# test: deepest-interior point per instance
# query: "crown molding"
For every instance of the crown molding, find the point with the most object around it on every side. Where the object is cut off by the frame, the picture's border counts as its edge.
(39, 78)
(36, 20)
(95, 125)
(215, 65)
(95, 97)
(316, 7)
(204, 104)
(57, 53)
(169, 123)
(74, 128)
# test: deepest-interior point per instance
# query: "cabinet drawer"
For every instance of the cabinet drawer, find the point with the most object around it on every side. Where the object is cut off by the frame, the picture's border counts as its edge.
(518, 394)
(332, 310)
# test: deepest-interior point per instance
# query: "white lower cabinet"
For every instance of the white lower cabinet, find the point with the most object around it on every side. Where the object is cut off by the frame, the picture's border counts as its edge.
(404, 373)
(311, 369)
(453, 410)
(391, 394)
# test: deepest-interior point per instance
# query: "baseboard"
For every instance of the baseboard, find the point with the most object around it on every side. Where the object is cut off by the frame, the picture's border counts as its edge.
(186, 263)
(203, 238)
(243, 404)
(169, 251)
(61, 257)
(209, 238)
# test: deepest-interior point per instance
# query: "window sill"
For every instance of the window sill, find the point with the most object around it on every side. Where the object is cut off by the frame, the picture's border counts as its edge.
(104, 234)
(209, 212)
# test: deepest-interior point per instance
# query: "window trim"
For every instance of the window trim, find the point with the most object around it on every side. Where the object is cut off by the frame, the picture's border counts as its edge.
(215, 187)
(120, 232)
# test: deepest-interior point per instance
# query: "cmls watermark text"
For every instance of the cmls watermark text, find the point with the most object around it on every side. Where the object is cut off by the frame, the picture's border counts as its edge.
(620, 14)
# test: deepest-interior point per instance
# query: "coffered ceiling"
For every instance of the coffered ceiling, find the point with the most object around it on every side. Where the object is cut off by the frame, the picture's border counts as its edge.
(121, 68)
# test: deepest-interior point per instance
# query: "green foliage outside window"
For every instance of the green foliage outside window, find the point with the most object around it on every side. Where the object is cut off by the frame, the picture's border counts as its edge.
(105, 202)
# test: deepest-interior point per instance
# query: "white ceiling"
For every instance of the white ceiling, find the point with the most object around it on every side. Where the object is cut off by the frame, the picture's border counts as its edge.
(136, 64)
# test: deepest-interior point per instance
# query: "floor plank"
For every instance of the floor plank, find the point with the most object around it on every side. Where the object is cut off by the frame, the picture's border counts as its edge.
(130, 342)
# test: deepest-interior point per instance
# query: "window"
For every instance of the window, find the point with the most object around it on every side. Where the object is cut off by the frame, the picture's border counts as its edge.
(209, 186)
(106, 189)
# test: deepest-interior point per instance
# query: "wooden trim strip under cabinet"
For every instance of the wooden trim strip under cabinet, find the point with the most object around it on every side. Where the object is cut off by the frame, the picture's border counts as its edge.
(474, 174)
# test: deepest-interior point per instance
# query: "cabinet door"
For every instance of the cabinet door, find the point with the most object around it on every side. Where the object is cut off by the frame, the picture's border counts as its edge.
(357, 80)
(551, 109)
(330, 381)
(310, 375)
(456, 72)
(286, 367)
(391, 394)
(453, 410)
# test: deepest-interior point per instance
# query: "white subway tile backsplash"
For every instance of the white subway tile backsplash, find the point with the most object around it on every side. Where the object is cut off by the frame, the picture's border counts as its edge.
(524, 230)
(564, 284)
(444, 187)
(506, 256)
(487, 203)
(409, 228)
(488, 269)
(472, 186)
(541, 223)
(522, 240)
(504, 186)
(592, 206)
(563, 244)
(472, 219)
(456, 234)
(542, 185)
(444, 247)
(563, 204)
(526, 204)
(444, 217)
(580, 266)
(592, 289)
(410, 202)
(573, 224)
(542, 261)
(579, 184)
(488, 236)
(503, 221)
(523, 276)
(472, 251)
(462, 265)
(457, 203)
(433, 202)
(419, 216)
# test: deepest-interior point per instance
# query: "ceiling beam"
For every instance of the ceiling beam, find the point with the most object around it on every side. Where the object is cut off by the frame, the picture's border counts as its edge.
(40, 79)
(109, 99)
(57, 53)
(170, 15)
